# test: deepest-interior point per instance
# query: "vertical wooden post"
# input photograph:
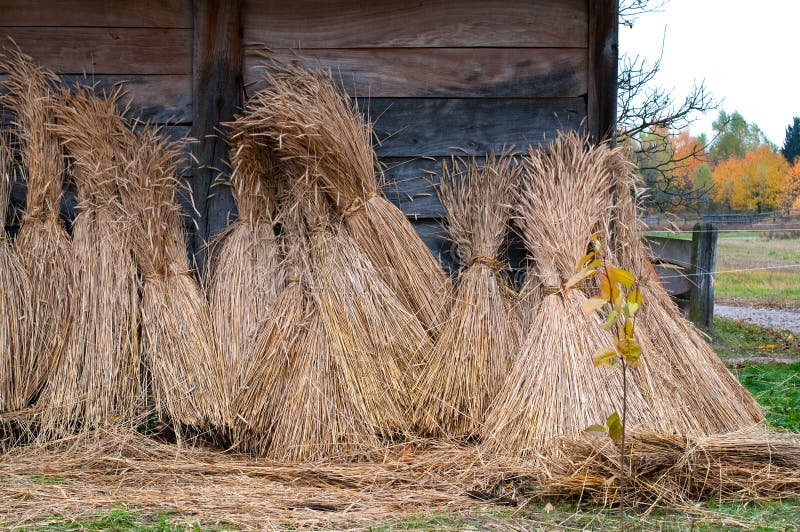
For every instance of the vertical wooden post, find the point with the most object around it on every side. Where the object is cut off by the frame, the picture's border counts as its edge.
(601, 101)
(704, 257)
(216, 95)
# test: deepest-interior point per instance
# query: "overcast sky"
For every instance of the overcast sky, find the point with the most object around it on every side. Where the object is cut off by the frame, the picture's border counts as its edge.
(746, 51)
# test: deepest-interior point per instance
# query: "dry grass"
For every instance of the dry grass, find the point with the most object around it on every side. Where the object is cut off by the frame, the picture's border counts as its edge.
(474, 350)
(553, 390)
(668, 470)
(178, 342)
(688, 385)
(312, 124)
(245, 277)
(98, 377)
(42, 243)
(15, 307)
(95, 471)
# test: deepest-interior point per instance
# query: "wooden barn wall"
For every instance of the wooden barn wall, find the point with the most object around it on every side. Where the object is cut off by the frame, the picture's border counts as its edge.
(438, 77)
(147, 44)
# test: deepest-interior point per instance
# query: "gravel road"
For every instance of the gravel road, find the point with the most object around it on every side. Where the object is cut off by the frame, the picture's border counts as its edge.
(775, 319)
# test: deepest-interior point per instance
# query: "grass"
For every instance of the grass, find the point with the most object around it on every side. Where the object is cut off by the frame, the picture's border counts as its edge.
(119, 519)
(778, 288)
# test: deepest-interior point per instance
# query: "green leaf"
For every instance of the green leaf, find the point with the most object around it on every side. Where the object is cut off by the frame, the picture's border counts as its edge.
(591, 305)
(596, 429)
(630, 309)
(614, 428)
(611, 319)
(628, 329)
(605, 356)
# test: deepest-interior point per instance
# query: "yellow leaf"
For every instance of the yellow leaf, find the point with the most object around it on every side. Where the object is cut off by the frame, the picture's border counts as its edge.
(595, 429)
(614, 427)
(591, 305)
(623, 277)
(583, 260)
(766, 346)
(630, 350)
(605, 356)
(628, 328)
(578, 277)
(635, 296)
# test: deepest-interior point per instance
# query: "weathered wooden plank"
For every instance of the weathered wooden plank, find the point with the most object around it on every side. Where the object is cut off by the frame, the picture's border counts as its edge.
(106, 50)
(104, 13)
(704, 258)
(603, 52)
(159, 99)
(444, 72)
(426, 23)
(217, 94)
(414, 127)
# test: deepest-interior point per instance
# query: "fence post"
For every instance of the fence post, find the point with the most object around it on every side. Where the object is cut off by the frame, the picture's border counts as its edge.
(704, 256)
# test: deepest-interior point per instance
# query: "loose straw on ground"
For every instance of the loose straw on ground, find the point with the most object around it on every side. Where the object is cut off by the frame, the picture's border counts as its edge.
(178, 343)
(15, 304)
(98, 377)
(42, 242)
(476, 343)
(553, 389)
(311, 122)
(245, 277)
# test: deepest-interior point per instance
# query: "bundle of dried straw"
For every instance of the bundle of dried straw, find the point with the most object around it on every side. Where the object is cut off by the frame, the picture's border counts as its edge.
(476, 343)
(178, 344)
(677, 470)
(553, 390)
(98, 377)
(311, 122)
(691, 389)
(42, 242)
(245, 277)
(15, 305)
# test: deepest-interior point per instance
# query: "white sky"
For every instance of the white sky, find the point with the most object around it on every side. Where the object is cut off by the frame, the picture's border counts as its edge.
(746, 51)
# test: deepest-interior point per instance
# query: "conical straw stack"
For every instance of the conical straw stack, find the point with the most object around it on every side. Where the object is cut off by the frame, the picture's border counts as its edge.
(245, 277)
(474, 350)
(312, 123)
(42, 242)
(688, 379)
(98, 377)
(15, 306)
(553, 389)
(178, 344)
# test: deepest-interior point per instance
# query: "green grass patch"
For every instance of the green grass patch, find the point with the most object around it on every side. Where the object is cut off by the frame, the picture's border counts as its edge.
(736, 339)
(776, 387)
(778, 288)
(120, 519)
(47, 479)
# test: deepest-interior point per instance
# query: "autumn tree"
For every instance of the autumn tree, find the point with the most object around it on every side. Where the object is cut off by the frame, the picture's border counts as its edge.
(791, 187)
(791, 144)
(734, 137)
(754, 182)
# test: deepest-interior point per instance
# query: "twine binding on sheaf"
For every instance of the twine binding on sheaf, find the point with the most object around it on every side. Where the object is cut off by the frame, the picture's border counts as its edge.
(358, 204)
(485, 260)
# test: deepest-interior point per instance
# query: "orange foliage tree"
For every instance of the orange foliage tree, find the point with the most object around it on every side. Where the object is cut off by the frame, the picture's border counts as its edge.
(755, 182)
(791, 188)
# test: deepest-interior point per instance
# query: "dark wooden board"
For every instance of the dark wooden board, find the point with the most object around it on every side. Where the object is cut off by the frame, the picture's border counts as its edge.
(423, 23)
(414, 127)
(158, 99)
(106, 13)
(106, 50)
(445, 72)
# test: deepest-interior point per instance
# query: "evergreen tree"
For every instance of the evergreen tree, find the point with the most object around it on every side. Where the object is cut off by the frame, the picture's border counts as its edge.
(791, 145)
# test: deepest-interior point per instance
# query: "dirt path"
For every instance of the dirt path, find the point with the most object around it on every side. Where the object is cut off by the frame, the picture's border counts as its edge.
(774, 319)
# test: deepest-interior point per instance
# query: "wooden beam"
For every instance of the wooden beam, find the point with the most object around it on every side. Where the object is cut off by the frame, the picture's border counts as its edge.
(102, 13)
(603, 55)
(704, 258)
(216, 94)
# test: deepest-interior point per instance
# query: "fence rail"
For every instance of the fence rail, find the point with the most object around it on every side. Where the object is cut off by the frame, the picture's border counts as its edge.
(783, 218)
